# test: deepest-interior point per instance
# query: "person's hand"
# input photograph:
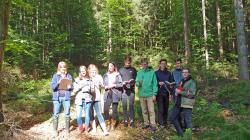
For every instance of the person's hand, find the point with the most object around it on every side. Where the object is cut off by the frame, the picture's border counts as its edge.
(170, 97)
(187, 93)
(154, 99)
(171, 86)
(59, 81)
(112, 86)
(161, 83)
(177, 91)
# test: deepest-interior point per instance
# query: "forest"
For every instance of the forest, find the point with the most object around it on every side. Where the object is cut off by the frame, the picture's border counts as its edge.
(210, 36)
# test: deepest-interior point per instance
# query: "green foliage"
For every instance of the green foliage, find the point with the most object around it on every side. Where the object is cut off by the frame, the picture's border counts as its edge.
(235, 96)
(207, 114)
(237, 131)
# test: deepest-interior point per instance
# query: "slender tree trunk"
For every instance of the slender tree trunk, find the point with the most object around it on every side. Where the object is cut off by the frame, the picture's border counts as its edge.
(4, 21)
(109, 48)
(186, 31)
(241, 40)
(218, 23)
(205, 31)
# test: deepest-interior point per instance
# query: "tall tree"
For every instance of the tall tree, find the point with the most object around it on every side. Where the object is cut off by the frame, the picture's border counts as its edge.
(4, 19)
(205, 30)
(241, 40)
(218, 23)
(186, 30)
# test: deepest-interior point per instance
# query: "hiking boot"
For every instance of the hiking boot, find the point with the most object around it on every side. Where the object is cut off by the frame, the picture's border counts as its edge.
(145, 126)
(107, 122)
(113, 125)
(81, 128)
(67, 124)
(55, 126)
(87, 128)
(132, 124)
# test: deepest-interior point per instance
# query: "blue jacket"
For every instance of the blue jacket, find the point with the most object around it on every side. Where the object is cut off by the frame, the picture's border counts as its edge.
(163, 76)
(54, 86)
(177, 75)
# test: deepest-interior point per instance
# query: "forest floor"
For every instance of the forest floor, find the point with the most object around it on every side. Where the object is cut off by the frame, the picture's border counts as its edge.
(35, 130)
(221, 112)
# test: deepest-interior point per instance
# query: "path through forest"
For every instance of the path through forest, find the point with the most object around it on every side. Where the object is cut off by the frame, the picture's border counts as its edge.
(43, 131)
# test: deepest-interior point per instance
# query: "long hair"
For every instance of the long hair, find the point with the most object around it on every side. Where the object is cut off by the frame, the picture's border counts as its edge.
(62, 64)
(93, 66)
(113, 63)
(85, 68)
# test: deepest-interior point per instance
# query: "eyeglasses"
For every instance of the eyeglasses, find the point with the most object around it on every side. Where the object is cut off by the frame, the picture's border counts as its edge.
(185, 72)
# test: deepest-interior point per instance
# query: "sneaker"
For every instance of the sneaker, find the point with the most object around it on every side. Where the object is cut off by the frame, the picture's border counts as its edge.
(152, 128)
(145, 126)
(132, 124)
(105, 133)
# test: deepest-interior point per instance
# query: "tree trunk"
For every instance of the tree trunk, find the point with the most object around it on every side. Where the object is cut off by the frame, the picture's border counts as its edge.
(186, 31)
(205, 31)
(218, 23)
(109, 48)
(241, 40)
(4, 19)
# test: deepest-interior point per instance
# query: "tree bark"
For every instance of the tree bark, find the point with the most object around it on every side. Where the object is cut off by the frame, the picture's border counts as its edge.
(109, 48)
(241, 40)
(186, 31)
(218, 23)
(205, 31)
(4, 19)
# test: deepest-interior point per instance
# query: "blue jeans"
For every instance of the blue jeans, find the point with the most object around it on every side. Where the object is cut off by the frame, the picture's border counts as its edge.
(175, 118)
(79, 109)
(57, 105)
(90, 113)
(98, 109)
(128, 110)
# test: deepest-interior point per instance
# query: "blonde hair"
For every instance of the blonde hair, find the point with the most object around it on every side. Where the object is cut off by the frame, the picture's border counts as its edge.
(60, 65)
(93, 66)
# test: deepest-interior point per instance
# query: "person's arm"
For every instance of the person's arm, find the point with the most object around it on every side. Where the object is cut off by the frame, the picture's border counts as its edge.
(138, 79)
(70, 87)
(54, 82)
(190, 91)
(118, 81)
(155, 84)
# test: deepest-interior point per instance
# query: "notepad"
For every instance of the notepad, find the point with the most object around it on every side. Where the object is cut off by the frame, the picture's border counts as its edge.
(63, 85)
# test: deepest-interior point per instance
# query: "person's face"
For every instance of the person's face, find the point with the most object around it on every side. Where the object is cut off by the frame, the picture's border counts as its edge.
(92, 72)
(111, 67)
(178, 64)
(144, 65)
(127, 63)
(163, 65)
(83, 72)
(185, 73)
(63, 69)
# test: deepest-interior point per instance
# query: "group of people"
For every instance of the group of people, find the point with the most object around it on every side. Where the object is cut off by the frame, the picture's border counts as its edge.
(161, 86)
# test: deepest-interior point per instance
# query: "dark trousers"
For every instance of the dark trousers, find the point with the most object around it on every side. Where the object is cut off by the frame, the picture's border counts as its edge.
(162, 103)
(107, 105)
(128, 100)
(175, 118)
